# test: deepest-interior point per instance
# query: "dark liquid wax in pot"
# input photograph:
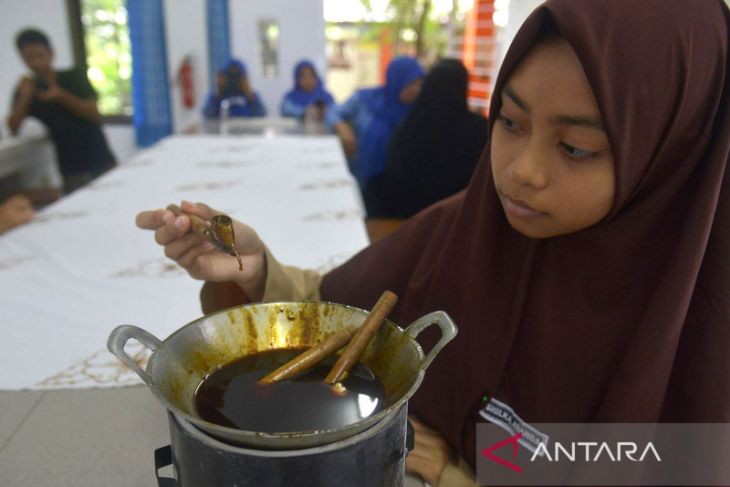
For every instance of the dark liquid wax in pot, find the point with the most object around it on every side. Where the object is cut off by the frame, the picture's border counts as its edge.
(230, 396)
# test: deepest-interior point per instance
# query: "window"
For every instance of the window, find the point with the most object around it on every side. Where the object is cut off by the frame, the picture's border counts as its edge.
(101, 45)
(268, 48)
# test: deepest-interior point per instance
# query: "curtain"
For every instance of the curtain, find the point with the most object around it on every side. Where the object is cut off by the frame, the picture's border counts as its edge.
(219, 39)
(150, 81)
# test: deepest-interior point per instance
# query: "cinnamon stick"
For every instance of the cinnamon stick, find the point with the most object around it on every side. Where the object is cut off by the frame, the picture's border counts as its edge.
(362, 337)
(311, 357)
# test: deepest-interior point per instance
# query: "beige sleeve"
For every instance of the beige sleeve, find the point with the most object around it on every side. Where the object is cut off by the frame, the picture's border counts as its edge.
(288, 283)
(457, 475)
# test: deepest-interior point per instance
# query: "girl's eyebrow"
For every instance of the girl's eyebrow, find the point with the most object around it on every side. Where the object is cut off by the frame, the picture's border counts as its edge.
(569, 120)
(565, 120)
(510, 93)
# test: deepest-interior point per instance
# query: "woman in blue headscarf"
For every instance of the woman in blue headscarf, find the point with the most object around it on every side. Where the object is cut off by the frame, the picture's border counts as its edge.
(232, 83)
(308, 93)
(366, 121)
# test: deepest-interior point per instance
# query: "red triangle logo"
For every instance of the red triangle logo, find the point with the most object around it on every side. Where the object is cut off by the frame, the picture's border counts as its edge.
(487, 452)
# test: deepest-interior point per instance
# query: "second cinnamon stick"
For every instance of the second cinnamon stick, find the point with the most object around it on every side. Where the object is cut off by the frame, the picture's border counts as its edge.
(311, 357)
(362, 337)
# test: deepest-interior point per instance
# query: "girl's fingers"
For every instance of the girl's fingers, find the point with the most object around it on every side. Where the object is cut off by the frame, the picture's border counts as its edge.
(419, 466)
(429, 439)
(426, 434)
(200, 209)
(420, 455)
(416, 463)
(152, 220)
(176, 248)
(188, 258)
(172, 230)
(419, 425)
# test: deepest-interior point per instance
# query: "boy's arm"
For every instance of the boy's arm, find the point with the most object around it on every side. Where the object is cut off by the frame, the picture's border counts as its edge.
(83, 107)
(80, 98)
(21, 104)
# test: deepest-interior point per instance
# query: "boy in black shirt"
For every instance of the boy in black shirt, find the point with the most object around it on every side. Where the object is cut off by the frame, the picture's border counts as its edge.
(66, 104)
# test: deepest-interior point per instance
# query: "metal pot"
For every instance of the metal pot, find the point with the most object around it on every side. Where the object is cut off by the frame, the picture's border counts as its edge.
(372, 458)
(180, 362)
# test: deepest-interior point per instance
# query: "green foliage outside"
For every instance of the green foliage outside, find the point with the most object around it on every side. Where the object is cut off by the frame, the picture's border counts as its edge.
(108, 54)
(414, 16)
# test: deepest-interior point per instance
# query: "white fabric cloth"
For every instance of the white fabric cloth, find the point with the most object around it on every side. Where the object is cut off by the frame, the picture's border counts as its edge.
(82, 267)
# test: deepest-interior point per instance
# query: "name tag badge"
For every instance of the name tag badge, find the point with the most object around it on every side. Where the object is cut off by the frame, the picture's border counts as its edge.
(504, 416)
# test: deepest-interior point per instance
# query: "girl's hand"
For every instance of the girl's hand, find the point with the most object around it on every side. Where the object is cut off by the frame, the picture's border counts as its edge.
(199, 257)
(430, 454)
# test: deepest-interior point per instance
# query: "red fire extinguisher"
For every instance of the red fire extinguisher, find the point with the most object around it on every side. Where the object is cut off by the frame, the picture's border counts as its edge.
(185, 79)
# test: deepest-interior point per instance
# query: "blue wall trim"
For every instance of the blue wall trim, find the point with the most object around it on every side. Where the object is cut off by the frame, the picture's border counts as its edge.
(150, 80)
(219, 38)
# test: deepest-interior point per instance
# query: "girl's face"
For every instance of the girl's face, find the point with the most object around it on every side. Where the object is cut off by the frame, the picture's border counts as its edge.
(306, 79)
(551, 161)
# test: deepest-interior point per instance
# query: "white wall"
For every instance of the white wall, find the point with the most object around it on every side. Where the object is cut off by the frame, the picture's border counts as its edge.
(518, 12)
(121, 141)
(301, 25)
(186, 34)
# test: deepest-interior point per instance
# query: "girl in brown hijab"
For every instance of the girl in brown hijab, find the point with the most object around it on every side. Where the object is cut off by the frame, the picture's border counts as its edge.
(587, 264)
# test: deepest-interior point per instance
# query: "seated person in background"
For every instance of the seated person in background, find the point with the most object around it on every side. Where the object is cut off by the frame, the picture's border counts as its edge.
(365, 122)
(66, 104)
(434, 151)
(232, 84)
(15, 211)
(308, 96)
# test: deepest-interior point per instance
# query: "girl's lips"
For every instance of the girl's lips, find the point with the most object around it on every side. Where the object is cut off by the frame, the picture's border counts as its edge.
(519, 208)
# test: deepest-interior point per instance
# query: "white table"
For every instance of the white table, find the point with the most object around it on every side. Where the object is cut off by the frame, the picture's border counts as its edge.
(82, 268)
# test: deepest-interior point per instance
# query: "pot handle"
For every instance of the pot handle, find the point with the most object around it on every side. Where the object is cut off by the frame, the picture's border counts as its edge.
(119, 337)
(448, 332)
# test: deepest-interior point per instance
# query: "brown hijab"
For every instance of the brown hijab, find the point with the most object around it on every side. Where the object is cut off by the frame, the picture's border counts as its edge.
(628, 320)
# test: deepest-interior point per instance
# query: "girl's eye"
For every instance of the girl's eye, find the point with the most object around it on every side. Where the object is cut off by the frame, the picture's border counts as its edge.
(577, 153)
(508, 123)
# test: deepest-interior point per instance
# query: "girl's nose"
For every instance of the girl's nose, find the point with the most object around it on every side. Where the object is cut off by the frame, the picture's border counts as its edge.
(528, 169)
